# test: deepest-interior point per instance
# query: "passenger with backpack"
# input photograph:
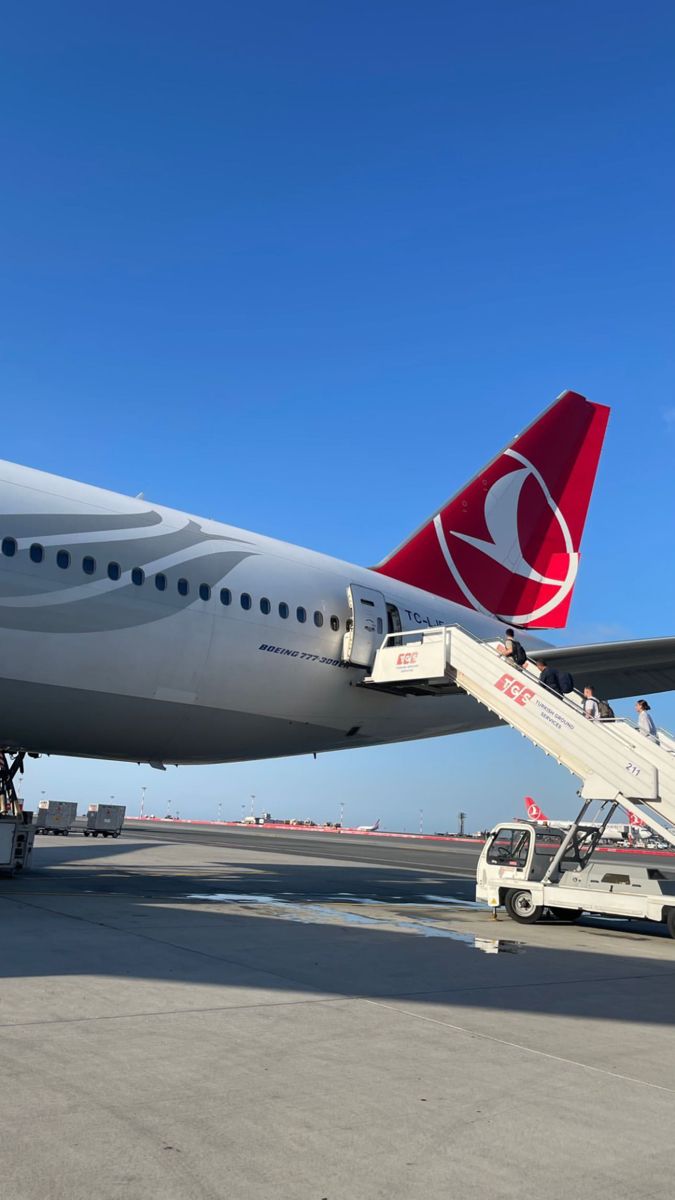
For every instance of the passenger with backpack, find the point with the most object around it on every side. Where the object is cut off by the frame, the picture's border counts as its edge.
(550, 678)
(512, 650)
(591, 706)
(566, 682)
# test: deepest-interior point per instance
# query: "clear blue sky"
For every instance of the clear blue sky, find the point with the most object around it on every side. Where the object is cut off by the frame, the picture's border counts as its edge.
(304, 267)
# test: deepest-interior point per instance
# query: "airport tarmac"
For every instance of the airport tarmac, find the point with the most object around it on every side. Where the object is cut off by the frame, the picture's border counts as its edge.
(206, 1017)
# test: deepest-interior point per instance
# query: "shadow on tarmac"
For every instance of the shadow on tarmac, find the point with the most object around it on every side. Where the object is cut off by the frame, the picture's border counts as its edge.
(141, 923)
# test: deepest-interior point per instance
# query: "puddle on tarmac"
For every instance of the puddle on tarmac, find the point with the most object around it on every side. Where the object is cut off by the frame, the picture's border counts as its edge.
(317, 914)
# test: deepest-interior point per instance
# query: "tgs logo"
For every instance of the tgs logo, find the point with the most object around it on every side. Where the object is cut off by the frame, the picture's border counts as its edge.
(514, 690)
(407, 659)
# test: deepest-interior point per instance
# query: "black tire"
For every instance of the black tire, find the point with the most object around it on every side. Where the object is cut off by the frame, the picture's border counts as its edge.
(570, 915)
(86, 832)
(519, 906)
(670, 922)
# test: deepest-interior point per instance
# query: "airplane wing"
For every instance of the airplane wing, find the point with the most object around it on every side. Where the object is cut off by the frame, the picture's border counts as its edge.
(617, 669)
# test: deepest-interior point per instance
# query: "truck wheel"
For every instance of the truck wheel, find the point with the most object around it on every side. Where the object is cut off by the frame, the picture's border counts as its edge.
(521, 907)
(567, 914)
(670, 921)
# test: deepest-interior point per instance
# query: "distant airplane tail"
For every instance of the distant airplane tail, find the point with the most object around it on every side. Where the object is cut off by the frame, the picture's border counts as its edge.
(508, 543)
(534, 813)
(634, 821)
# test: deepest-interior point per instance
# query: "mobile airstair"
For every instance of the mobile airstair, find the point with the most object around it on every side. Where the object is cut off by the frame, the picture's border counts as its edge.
(614, 762)
(17, 830)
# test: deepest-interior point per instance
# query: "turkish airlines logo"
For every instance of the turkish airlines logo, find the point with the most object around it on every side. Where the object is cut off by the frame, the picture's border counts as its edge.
(514, 690)
(502, 514)
(534, 812)
(407, 659)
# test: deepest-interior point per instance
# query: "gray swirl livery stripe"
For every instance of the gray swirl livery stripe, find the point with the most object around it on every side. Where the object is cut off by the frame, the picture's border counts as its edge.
(137, 550)
(37, 525)
(108, 606)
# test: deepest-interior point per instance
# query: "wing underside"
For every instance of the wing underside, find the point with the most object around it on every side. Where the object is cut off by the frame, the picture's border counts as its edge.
(617, 669)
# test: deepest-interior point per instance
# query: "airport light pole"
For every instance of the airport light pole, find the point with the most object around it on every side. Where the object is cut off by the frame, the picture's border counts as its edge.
(243, 811)
(342, 813)
(421, 820)
(220, 810)
(252, 806)
(143, 791)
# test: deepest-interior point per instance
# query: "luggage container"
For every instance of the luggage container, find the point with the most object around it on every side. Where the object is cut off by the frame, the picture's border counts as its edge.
(56, 816)
(105, 820)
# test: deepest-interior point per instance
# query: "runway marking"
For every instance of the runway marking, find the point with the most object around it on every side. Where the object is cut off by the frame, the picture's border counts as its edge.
(173, 1012)
(487, 1037)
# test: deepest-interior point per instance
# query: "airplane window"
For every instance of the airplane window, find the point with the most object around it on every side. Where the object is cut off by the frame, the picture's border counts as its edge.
(37, 552)
(283, 610)
(245, 600)
(301, 614)
(335, 624)
(265, 606)
(379, 625)
(183, 587)
(137, 576)
(114, 570)
(225, 596)
(62, 558)
(204, 591)
(160, 582)
(318, 619)
(8, 547)
(88, 564)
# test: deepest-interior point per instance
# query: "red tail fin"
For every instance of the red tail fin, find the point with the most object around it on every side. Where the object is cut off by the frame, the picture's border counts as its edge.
(633, 820)
(533, 810)
(508, 543)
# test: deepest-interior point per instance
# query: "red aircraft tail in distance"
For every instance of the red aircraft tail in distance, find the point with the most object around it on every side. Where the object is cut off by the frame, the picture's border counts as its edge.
(508, 543)
(534, 813)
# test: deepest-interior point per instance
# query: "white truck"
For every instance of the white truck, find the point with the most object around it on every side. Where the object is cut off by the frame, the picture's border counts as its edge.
(105, 820)
(530, 869)
(55, 816)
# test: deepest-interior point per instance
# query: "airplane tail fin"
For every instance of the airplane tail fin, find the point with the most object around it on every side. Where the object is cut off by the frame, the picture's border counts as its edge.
(534, 813)
(634, 821)
(508, 543)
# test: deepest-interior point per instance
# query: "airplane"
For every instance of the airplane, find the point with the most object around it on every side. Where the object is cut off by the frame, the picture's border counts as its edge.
(368, 828)
(613, 832)
(134, 632)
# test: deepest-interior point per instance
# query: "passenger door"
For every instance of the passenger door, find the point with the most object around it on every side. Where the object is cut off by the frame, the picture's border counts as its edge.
(366, 625)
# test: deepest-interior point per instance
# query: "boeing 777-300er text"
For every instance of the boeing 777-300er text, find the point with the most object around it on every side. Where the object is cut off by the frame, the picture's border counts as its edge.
(131, 631)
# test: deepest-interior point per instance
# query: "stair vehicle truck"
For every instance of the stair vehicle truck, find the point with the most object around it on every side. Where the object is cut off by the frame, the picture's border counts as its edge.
(530, 870)
(55, 816)
(526, 867)
(105, 820)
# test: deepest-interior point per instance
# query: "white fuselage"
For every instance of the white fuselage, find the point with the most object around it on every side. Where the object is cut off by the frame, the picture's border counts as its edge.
(98, 660)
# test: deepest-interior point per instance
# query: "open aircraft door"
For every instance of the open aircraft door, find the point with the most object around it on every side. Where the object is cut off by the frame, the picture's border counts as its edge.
(366, 627)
